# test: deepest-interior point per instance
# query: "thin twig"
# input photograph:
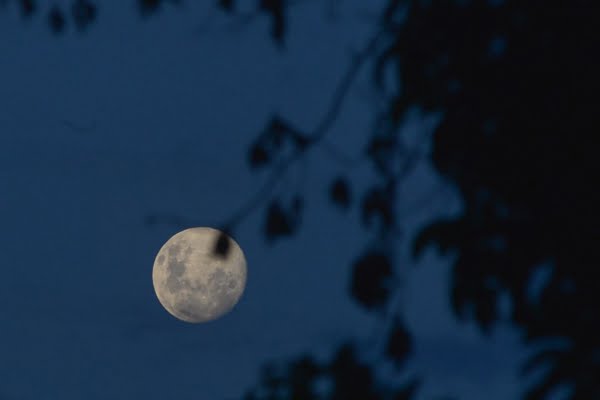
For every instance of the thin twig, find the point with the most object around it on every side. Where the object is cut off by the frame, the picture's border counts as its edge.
(322, 129)
(342, 89)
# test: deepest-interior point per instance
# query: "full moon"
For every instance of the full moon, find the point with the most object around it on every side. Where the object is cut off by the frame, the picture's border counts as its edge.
(193, 281)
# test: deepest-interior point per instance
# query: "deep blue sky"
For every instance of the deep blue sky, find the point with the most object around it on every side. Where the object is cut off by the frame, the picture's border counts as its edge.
(133, 118)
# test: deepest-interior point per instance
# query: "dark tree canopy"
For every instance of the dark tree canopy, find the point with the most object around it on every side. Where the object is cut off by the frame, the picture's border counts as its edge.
(516, 85)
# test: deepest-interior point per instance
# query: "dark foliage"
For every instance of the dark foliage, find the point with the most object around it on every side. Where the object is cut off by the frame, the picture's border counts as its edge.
(83, 13)
(28, 7)
(56, 20)
(148, 7)
(227, 5)
(377, 204)
(277, 141)
(282, 221)
(276, 11)
(345, 375)
(407, 391)
(517, 84)
(371, 274)
(398, 346)
(339, 192)
(352, 378)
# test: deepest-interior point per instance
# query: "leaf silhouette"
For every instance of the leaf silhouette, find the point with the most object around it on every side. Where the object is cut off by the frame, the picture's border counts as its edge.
(275, 9)
(258, 156)
(370, 278)
(445, 234)
(56, 20)
(147, 8)
(377, 203)
(227, 5)
(381, 151)
(353, 380)
(398, 345)
(273, 140)
(408, 390)
(28, 8)
(282, 221)
(83, 13)
(339, 192)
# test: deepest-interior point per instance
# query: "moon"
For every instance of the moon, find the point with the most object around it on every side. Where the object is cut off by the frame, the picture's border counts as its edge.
(193, 281)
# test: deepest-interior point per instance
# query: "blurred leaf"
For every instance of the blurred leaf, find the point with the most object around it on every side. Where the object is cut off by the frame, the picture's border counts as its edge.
(83, 13)
(459, 300)
(381, 64)
(28, 7)
(381, 150)
(408, 391)
(297, 204)
(339, 192)
(56, 19)
(353, 379)
(278, 222)
(377, 203)
(226, 5)
(275, 8)
(300, 141)
(281, 221)
(472, 294)
(350, 378)
(548, 356)
(486, 311)
(370, 277)
(148, 7)
(543, 389)
(276, 130)
(258, 156)
(222, 245)
(444, 234)
(302, 375)
(398, 346)
(272, 142)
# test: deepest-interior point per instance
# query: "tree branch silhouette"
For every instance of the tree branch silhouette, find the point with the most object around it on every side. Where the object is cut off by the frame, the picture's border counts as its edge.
(316, 136)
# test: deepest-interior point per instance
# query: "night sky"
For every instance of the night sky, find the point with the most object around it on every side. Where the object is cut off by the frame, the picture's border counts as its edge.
(135, 119)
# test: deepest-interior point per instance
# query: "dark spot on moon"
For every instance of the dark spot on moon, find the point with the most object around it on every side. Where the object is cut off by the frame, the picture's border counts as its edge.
(161, 259)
